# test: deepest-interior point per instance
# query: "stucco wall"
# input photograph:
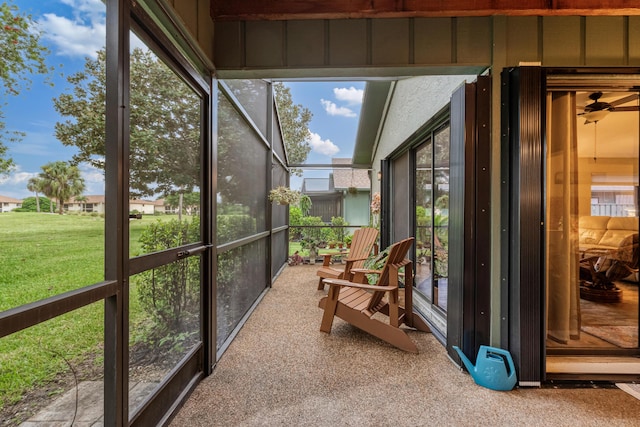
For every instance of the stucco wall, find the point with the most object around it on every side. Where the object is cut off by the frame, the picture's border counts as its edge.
(413, 101)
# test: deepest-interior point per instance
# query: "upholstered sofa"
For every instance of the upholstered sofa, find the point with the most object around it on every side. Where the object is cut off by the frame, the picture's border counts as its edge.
(610, 241)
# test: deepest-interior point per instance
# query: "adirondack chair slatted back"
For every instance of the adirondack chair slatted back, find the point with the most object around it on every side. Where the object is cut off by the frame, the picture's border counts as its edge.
(361, 245)
(357, 302)
(397, 254)
(361, 248)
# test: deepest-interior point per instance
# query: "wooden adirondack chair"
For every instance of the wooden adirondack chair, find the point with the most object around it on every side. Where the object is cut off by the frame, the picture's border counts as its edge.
(361, 245)
(356, 301)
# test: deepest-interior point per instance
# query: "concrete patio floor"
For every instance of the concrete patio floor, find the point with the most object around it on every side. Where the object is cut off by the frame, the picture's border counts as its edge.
(281, 370)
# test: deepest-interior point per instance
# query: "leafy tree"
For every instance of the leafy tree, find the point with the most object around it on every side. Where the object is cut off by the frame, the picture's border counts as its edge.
(235, 145)
(236, 151)
(6, 164)
(82, 199)
(62, 181)
(20, 54)
(165, 124)
(294, 119)
(36, 185)
(31, 205)
(189, 202)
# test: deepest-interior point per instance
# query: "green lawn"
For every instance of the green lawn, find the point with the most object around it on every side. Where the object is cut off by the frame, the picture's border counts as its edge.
(44, 255)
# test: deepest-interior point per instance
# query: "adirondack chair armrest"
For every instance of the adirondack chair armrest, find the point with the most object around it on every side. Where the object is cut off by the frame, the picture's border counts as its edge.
(355, 259)
(327, 257)
(366, 271)
(340, 282)
(360, 274)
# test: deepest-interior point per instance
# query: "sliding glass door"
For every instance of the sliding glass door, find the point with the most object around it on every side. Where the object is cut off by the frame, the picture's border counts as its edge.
(592, 221)
(432, 217)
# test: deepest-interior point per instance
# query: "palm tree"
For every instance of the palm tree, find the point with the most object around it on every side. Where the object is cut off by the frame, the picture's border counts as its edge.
(36, 185)
(62, 181)
(82, 199)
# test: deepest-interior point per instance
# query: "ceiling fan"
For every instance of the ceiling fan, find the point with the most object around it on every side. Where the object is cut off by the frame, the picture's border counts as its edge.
(597, 110)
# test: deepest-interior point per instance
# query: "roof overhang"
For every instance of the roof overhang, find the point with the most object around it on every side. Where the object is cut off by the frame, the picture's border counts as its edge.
(374, 104)
(243, 10)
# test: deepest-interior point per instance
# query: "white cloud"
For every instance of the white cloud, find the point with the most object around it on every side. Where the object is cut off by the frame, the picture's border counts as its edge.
(15, 184)
(93, 179)
(95, 7)
(333, 110)
(322, 146)
(82, 35)
(351, 95)
(17, 177)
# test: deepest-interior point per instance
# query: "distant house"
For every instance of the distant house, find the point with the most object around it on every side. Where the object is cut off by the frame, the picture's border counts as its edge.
(355, 186)
(326, 202)
(345, 193)
(97, 204)
(161, 207)
(85, 204)
(145, 207)
(7, 204)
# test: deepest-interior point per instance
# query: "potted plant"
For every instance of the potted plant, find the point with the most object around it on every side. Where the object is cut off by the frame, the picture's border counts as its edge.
(348, 239)
(311, 245)
(284, 195)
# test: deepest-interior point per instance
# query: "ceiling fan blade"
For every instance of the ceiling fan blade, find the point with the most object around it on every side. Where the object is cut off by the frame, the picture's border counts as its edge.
(630, 108)
(633, 97)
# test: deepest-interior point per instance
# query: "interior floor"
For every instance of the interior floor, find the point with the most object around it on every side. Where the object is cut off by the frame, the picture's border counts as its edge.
(607, 325)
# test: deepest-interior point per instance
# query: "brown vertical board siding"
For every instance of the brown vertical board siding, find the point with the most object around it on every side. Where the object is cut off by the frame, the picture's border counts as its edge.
(561, 41)
(305, 43)
(264, 44)
(390, 41)
(432, 40)
(473, 40)
(188, 11)
(634, 40)
(522, 40)
(604, 40)
(229, 44)
(205, 28)
(348, 42)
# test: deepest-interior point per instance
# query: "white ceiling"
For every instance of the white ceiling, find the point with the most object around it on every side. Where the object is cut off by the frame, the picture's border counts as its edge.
(618, 134)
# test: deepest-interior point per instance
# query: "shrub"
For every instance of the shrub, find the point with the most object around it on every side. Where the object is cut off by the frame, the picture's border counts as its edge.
(295, 218)
(312, 237)
(230, 227)
(319, 234)
(339, 232)
(170, 293)
(29, 205)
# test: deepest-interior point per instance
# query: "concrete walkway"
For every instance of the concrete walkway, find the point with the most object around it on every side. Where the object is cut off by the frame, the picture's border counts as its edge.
(282, 371)
(90, 406)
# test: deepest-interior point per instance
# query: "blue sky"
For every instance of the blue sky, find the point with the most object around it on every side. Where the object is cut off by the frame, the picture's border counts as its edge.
(336, 109)
(334, 125)
(74, 30)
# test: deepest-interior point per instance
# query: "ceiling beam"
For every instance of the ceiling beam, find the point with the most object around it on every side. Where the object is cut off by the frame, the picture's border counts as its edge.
(241, 10)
